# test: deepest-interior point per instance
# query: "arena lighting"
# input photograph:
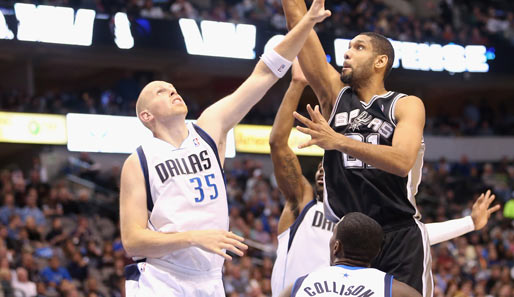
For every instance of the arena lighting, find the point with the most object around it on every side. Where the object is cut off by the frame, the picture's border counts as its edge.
(115, 134)
(54, 24)
(122, 35)
(219, 39)
(5, 33)
(430, 57)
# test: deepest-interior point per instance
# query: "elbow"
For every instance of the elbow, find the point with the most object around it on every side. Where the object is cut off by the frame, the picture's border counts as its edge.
(403, 169)
(402, 172)
(130, 247)
(273, 141)
(276, 142)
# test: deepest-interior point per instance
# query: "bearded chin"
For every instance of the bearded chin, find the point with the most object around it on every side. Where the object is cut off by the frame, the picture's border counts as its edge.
(346, 78)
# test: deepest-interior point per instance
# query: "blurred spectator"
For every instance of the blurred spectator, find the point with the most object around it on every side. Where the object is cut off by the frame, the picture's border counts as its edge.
(183, 9)
(54, 274)
(31, 208)
(78, 268)
(22, 283)
(151, 11)
(8, 209)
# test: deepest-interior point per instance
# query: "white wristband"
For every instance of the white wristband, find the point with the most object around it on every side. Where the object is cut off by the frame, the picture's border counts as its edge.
(276, 63)
(443, 231)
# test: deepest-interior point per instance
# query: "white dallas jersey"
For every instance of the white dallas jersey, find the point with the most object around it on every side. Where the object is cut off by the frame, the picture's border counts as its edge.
(342, 280)
(303, 247)
(185, 191)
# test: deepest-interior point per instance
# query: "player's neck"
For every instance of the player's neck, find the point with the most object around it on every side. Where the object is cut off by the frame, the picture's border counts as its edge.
(370, 88)
(173, 133)
(350, 262)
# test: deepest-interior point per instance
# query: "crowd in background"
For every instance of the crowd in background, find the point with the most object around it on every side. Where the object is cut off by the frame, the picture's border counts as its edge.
(458, 21)
(61, 238)
(475, 117)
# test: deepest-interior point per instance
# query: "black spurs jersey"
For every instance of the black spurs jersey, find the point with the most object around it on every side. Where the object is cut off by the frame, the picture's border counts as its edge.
(352, 185)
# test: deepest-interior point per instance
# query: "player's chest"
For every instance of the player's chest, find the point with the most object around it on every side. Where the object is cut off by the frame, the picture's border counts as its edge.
(371, 124)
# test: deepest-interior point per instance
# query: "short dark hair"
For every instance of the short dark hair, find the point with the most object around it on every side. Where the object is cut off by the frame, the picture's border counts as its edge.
(361, 237)
(382, 46)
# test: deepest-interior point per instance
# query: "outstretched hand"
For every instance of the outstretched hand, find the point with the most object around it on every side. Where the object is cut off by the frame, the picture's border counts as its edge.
(481, 212)
(215, 241)
(318, 128)
(317, 12)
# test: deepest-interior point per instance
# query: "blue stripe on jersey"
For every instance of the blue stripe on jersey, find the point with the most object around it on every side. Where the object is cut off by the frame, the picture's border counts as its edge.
(144, 166)
(388, 279)
(205, 136)
(297, 285)
(131, 272)
(209, 141)
(350, 267)
(298, 221)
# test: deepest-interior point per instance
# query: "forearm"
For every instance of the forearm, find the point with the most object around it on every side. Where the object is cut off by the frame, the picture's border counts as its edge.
(293, 11)
(294, 40)
(443, 231)
(284, 120)
(383, 157)
(153, 244)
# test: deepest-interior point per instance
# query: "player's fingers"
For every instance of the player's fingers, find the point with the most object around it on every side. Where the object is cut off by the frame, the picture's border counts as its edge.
(233, 249)
(490, 199)
(317, 114)
(221, 253)
(305, 130)
(236, 243)
(302, 119)
(480, 198)
(235, 236)
(493, 209)
(312, 114)
(307, 144)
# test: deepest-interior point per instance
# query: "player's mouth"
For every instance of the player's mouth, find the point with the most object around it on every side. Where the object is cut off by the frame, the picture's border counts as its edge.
(346, 66)
(176, 100)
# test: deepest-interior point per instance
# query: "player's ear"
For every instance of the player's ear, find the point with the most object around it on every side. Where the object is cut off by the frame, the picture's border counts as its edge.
(145, 116)
(381, 61)
(337, 247)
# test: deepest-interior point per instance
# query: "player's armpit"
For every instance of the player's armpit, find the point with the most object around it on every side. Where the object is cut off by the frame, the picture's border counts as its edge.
(400, 289)
(323, 78)
(409, 114)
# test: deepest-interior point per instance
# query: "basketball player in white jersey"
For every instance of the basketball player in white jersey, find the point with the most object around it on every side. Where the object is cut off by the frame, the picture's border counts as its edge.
(355, 242)
(173, 203)
(303, 230)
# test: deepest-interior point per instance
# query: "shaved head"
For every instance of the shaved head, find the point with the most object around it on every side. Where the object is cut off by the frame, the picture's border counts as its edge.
(156, 102)
(146, 95)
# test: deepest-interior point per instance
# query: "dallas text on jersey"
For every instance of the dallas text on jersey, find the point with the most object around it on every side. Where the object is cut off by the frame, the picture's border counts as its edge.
(192, 164)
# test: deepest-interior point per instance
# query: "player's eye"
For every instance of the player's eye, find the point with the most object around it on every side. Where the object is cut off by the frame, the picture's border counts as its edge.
(360, 47)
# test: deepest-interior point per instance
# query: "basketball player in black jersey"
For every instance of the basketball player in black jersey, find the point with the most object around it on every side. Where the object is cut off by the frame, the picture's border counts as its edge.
(373, 147)
(299, 194)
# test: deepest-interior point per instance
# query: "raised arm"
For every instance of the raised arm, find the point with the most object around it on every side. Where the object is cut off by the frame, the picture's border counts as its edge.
(138, 241)
(288, 173)
(480, 213)
(322, 77)
(397, 159)
(220, 117)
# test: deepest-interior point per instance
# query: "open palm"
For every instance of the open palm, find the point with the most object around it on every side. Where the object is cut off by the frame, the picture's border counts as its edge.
(317, 12)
